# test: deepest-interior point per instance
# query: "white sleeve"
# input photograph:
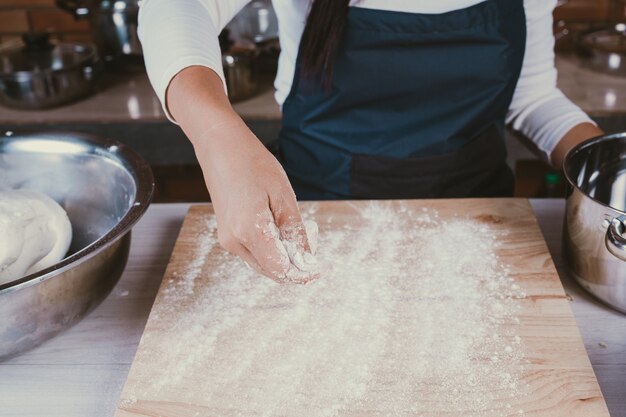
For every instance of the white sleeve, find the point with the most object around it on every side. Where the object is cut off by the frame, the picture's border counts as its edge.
(178, 34)
(539, 110)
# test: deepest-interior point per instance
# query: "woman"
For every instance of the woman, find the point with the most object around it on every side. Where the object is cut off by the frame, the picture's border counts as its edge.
(380, 99)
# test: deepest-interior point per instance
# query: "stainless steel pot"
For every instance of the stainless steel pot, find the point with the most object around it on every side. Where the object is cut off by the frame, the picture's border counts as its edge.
(113, 24)
(240, 67)
(105, 188)
(38, 74)
(604, 50)
(240, 73)
(594, 244)
(256, 22)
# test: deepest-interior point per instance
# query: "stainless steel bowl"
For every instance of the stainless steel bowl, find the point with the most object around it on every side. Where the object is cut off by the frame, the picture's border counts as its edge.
(604, 50)
(594, 244)
(105, 188)
(39, 74)
(113, 24)
(240, 73)
(256, 22)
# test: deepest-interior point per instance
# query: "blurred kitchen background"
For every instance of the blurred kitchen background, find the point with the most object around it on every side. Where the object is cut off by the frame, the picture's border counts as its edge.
(109, 93)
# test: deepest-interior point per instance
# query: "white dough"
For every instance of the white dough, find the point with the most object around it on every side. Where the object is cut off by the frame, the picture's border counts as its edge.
(35, 233)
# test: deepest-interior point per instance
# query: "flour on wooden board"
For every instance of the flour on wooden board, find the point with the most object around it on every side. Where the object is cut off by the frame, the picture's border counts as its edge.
(412, 316)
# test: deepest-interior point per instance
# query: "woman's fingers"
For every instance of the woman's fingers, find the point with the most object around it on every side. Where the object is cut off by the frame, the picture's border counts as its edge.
(252, 263)
(312, 233)
(293, 236)
(255, 241)
(280, 256)
(266, 247)
(286, 214)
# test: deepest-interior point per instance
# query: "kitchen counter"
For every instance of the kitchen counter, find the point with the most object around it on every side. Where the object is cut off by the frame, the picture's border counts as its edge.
(600, 95)
(126, 96)
(81, 372)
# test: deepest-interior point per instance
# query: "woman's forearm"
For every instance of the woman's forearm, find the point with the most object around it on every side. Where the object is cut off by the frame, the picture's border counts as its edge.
(197, 101)
(576, 135)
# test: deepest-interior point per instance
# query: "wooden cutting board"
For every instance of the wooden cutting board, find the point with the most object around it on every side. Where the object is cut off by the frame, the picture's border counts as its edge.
(424, 308)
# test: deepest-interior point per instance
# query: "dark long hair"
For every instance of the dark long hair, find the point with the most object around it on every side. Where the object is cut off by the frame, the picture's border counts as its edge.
(321, 38)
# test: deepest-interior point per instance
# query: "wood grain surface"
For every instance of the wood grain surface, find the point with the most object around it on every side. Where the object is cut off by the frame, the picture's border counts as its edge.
(557, 376)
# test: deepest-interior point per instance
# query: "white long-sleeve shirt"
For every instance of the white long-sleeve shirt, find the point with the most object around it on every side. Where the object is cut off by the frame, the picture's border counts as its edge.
(178, 34)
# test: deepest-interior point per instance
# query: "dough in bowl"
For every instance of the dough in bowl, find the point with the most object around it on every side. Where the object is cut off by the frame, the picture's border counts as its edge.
(35, 233)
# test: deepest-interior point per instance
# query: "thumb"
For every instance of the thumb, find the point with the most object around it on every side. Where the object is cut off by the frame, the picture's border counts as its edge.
(299, 240)
(289, 221)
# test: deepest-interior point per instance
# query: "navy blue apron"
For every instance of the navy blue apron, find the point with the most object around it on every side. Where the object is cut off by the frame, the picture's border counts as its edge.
(416, 107)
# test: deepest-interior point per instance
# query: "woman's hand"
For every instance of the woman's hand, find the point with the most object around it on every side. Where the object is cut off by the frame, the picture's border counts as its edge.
(254, 203)
(257, 213)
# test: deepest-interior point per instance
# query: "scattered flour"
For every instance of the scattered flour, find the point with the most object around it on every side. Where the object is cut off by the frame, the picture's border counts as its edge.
(413, 315)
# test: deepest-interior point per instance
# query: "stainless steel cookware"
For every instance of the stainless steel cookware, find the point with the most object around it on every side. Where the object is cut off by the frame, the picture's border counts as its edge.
(256, 22)
(240, 68)
(595, 219)
(604, 50)
(113, 24)
(37, 73)
(105, 188)
(240, 73)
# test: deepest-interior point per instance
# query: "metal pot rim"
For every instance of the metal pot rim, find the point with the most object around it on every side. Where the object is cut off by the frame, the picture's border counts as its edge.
(583, 146)
(131, 160)
(116, 6)
(588, 38)
(84, 9)
(90, 59)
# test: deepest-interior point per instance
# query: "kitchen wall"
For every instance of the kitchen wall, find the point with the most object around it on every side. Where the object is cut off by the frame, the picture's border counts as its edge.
(576, 17)
(586, 10)
(19, 16)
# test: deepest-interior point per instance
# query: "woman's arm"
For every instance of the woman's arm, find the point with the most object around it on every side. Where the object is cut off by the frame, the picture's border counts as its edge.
(249, 189)
(539, 110)
(253, 200)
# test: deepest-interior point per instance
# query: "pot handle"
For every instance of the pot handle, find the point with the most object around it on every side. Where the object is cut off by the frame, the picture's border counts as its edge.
(615, 242)
(76, 7)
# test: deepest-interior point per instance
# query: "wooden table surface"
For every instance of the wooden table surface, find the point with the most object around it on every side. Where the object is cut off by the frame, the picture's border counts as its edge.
(81, 372)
